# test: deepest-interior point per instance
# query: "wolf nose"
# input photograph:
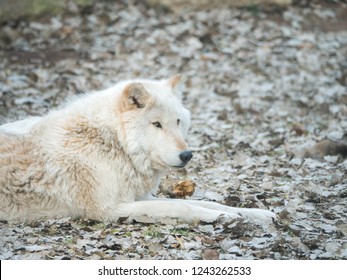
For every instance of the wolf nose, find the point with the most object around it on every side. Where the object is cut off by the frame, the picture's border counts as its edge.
(185, 156)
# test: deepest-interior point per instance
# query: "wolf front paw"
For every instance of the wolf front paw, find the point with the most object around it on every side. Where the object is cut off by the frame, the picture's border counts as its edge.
(257, 215)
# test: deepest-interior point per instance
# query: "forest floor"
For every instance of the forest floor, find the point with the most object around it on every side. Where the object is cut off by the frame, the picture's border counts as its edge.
(264, 86)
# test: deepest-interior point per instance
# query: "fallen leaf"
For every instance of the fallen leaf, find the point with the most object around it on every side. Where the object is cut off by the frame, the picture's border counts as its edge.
(210, 254)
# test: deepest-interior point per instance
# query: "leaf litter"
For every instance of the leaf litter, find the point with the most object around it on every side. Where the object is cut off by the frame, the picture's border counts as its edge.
(267, 92)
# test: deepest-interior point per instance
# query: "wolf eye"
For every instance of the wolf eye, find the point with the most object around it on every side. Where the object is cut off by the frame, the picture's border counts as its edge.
(178, 121)
(157, 124)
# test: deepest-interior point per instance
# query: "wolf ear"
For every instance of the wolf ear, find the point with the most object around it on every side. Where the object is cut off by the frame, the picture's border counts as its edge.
(175, 83)
(134, 96)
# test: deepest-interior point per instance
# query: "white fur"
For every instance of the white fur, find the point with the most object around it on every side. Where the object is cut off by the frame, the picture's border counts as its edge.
(20, 127)
(100, 157)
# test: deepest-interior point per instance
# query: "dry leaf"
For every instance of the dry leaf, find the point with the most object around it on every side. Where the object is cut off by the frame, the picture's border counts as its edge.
(210, 254)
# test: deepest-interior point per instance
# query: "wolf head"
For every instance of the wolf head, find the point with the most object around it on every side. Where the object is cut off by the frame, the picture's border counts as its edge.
(155, 123)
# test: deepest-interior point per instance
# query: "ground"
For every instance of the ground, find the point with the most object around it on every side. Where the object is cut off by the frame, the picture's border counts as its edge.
(263, 84)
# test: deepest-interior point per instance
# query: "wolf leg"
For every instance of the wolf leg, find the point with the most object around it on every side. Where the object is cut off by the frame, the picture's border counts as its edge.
(255, 214)
(178, 209)
(251, 213)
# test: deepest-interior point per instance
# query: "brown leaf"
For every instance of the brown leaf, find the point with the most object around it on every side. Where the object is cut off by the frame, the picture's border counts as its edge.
(210, 254)
(299, 130)
(326, 147)
(206, 240)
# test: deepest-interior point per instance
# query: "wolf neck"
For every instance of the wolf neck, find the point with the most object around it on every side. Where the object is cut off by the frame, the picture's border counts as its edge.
(98, 138)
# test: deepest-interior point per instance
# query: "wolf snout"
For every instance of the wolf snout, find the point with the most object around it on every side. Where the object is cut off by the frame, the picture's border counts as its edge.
(185, 156)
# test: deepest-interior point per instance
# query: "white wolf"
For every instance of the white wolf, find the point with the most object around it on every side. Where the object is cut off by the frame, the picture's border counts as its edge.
(101, 156)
